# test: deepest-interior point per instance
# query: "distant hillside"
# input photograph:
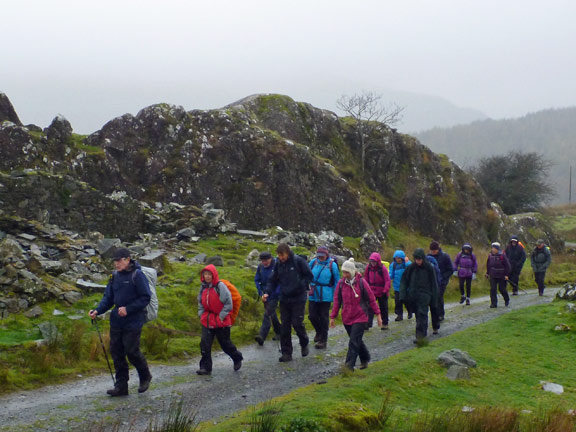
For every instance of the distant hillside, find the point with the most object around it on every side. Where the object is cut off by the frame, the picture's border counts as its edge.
(550, 132)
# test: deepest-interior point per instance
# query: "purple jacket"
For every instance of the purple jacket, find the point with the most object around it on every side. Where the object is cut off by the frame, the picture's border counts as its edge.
(466, 264)
(497, 266)
(355, 302)
(377, 277)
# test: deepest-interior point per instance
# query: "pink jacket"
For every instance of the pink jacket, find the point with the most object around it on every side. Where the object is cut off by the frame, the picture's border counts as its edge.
(377, 277)
(354, 300)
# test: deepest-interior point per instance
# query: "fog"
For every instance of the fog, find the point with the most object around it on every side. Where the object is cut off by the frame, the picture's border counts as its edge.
(93, 61)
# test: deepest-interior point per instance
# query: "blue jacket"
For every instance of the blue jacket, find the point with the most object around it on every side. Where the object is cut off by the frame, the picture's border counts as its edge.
(129, 289)
(261, 279)
(432, 260)
(396, 269)
(325, 280)
(293, 276)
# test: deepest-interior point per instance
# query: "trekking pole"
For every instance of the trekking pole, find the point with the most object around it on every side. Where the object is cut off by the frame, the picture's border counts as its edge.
(95, 323)
(514, 285)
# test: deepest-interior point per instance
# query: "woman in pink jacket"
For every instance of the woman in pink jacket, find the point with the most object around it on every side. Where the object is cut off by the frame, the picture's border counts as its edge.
(376, 274)
(355, 297)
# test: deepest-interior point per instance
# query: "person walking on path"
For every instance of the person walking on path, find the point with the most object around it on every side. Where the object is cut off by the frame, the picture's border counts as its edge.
(497, 271)
(376, 274)
(516, 254)
(466, 266)
(326, 276)
(540, 260)
(397, 267)
(446, 271)
(419, 290)
(293, 275)
(129, 293)
(214, 308)
(354, 296)
(270, 318)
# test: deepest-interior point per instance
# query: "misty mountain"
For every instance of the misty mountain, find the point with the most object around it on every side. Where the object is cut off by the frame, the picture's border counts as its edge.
(550, 132)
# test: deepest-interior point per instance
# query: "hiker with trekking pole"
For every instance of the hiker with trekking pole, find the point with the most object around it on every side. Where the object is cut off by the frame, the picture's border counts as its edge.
(270, 318)
(516, 254)
(128, 292)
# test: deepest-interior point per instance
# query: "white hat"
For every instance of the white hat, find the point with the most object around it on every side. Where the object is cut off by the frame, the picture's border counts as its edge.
(349, 266)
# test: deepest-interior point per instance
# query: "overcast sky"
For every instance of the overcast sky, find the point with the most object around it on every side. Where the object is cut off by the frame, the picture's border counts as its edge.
(93, 61)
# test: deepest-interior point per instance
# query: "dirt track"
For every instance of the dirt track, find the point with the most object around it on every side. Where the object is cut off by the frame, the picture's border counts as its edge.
(77, 405)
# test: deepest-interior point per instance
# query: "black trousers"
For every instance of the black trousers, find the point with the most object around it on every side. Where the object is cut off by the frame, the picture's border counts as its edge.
(539, 278)
(223, 336)
(356, 346)
(319, 316)
(399, 305)
(126, 344)
(420, 309)
(440, 305)
(514, 277)
(292, 316)
(270, 318)
(499, 284)
(383, 305)
(468, 282)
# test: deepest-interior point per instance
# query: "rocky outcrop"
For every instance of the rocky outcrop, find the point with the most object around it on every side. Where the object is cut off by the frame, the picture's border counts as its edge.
(265, 160)
(7, 112)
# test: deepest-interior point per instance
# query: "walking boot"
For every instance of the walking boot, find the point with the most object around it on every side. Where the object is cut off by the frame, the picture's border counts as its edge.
(259, 340)
(285, 358)
(144, 384)
(203, 372)
(320, 345)
(468, 301)
(305, 351)
(118, 390)
(398, 318)
(237, 365)
(462, 299)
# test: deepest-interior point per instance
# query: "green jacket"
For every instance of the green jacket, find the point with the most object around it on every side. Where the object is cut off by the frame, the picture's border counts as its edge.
(419, 285)
(540, 259)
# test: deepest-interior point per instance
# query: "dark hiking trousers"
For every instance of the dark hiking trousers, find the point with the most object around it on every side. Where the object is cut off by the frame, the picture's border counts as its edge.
(292, 315)
(270, 318)
(126, 343)
(468, 282)
(399, 305)
(319, 316)
(356, 346)
(500, 284)
(440, 306)
(514, 277)
(539, 278)
(383, 305)
(223, 336)
(420, 309)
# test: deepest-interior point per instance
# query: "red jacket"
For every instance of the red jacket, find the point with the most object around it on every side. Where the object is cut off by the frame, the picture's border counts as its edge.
(355, 301)
(377, 277)
(214, 301)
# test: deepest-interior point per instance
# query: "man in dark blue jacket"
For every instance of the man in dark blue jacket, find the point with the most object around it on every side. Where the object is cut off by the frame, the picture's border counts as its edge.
(446, 270)
(128, 291)
(261, 280)
(293, 275)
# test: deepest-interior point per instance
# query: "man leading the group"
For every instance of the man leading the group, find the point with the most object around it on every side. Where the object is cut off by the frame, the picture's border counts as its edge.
(129, 293)
(446, 270)
(516, 255)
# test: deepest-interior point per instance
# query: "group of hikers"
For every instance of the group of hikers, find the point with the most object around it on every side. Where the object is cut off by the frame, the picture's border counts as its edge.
(289, 281)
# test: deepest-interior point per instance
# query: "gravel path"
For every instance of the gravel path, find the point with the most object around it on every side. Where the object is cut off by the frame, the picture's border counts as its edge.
(79, 404)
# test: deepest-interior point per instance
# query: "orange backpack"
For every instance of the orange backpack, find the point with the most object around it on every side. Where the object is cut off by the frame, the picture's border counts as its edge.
(236, 299)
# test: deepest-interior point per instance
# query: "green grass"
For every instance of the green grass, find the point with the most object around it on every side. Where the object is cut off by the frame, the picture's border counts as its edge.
(514, 353)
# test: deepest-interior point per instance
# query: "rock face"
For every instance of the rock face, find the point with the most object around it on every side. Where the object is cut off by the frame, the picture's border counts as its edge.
(266, 161)
(7, 112)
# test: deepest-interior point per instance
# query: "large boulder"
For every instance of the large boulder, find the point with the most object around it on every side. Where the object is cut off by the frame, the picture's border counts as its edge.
(7, 112)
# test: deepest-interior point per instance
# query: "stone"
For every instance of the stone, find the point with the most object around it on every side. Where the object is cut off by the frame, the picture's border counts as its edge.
(456, 357)
(7, 112)
(57, 312)
(200, 258)
(457, 372)
(185, 234)
(250, 233)
(71, 297)
(10, 250)
(552, 387)
(27, 237)
(215, 260)
(35, 312)
(370, 243)
(90, 287)
(49, 332)
(28, 275)
(155, 259)
(107, 246)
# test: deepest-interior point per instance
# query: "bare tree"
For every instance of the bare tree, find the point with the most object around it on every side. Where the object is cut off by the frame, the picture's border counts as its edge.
(370, 115)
